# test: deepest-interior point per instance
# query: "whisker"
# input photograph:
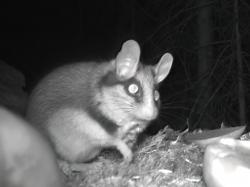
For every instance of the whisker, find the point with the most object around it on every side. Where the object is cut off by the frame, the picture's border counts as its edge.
(173, 102)
(175, 107)
(163, 122)
(173, 116)
(166, 121)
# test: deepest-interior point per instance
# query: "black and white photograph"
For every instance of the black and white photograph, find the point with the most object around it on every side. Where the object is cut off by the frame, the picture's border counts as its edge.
(125, 93)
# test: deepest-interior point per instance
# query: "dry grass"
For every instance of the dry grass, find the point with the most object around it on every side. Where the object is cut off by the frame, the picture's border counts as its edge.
(159, 161)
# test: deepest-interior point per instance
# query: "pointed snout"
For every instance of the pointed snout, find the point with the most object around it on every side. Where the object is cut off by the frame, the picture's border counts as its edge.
(149, 113)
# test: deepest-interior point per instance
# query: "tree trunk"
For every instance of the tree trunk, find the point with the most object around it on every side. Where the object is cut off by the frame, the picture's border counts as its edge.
(205, 56)
(241, 93)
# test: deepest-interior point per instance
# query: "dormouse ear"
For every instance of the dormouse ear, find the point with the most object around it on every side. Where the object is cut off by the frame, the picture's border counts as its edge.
(163, 67)
(127, 60)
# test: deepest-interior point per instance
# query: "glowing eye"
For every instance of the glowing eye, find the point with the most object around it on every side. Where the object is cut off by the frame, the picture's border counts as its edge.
(133, 88)
(156, 95)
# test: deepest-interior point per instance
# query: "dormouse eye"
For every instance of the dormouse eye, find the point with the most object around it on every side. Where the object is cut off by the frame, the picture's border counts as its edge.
(156, 95)
(133, 88)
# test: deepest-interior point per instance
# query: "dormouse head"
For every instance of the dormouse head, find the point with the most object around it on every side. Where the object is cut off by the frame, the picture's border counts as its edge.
(130, 91)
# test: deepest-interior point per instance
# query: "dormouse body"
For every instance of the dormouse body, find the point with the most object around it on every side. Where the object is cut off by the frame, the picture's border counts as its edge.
(85, 107)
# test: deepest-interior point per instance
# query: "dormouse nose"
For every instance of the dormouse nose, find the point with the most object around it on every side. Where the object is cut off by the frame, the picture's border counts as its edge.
(149, 113)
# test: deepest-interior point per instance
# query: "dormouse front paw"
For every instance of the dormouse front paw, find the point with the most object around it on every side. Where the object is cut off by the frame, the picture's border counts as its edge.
(124, 150)
(131, 136)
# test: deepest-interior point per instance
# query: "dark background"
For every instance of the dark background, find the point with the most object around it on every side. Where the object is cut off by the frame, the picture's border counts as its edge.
(209, 40)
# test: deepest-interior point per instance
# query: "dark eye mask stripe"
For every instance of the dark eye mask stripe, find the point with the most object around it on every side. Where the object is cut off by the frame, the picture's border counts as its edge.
(110, 80)
(139, 95)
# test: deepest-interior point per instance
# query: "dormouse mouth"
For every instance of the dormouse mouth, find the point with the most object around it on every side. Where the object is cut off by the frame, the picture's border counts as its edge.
(137, 129)
(133, 132)
(141, 122)
(138, 126)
